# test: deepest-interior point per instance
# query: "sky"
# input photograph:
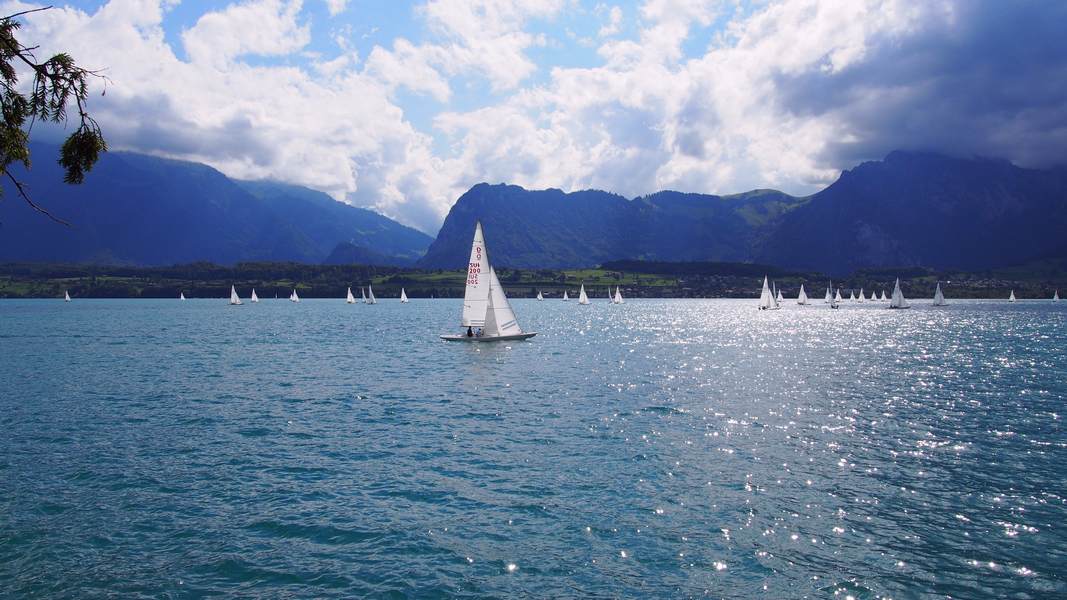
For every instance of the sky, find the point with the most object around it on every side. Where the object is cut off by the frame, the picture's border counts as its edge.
(402, 106)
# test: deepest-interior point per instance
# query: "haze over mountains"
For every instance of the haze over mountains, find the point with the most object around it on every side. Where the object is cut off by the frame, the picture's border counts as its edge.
(911, 209)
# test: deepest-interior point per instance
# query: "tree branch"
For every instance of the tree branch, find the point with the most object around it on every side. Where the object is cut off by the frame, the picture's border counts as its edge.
(34, 206)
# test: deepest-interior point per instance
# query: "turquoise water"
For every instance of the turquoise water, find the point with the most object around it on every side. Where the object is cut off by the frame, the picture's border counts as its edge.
(662, 448)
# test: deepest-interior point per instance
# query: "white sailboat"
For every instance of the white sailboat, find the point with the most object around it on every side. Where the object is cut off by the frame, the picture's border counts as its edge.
(898, 300)
(565, 296)
(1056, 296)
(582, 298)
(350, 299)
(181, 295)
(939, 298)
(766, 299)
(861, 297)
(403, 296)
(370, 295)
(66, 296)
(884, 299)
(837, 297)
(363, 295)
(778, 299)
(294, 297)
(485, 305)
(802, 298)
(851, 296)
(829, 295)
(834, 302)
(235, 300)
(618, 296)
(540, 298)
(255, 298)
(1011, 298)
(611, 299)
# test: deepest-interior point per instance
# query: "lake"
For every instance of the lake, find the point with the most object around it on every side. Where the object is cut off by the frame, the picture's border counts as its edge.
(660, 448)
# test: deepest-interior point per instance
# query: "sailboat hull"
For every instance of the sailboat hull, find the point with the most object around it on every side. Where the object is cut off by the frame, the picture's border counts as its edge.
(488, 338)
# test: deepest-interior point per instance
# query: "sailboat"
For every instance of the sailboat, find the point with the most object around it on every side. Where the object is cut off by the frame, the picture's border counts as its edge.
(66, 296)
(829, 295)
(802, 298)
(235, 300)
(181, 295)
(939, 298)
(834, 302)
(485, 305)
(618, 296)
(255, 298)
(540, 298)
(582, 298)
(1056, 296)
(565, 296)
(294, 297)
(611, 299)
(884, 299)
(403, 297)
(1011, 298)
(363, 294)
(898, 300)
(851, 296)
(370, 295)
(861, 298)
(766, 299)
(837, 298)
(350, 299)
(778, 298)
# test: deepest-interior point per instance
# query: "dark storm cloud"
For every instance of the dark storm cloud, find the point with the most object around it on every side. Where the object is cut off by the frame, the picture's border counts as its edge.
(991, 80)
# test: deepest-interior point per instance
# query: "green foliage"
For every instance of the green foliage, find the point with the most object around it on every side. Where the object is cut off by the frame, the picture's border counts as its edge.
(58, 84)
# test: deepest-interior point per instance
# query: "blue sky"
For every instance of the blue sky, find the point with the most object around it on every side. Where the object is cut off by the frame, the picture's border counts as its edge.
(402, 106)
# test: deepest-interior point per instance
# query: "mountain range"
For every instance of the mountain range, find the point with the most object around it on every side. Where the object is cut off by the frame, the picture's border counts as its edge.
(911, 209)
(143, 210)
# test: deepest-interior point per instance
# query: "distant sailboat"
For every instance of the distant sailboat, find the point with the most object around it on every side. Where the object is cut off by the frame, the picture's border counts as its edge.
(1056, 296)
(861, 296)
(618, 296)
(884, 299)
(837, 297)
(181, 295)
(851, 296)
(485, 305)
(898, 300)
(66, 296)
(350, 299)
(1011, 298)
(766, 299)
(565, 296)
(294, 297)
(778, 299)
(235, 300)
(255, 298)
(939, 298)
(370, 295)
(802, 298)
(363, 294)
(829, 295)
(403, 297)
(540, 298)
(582, 298)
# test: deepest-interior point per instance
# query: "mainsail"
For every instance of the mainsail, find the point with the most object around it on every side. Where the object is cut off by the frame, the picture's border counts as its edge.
(255, 298)
(181, 295)
(582, 298)
(350, 299)
(363, 294)
(565, 296)
(294, 297)
(829, 295)
(837, 297)
(403, 296)
(1056, 296)
(476, 296)
(66, 296)
(1011, 298)
(766, 299)
(939, 298)
(539, 296)
(618, 295)
(802, 298)
(884, 299)
(234, 298)
(370, 295)
(862, 297)
(898, 300)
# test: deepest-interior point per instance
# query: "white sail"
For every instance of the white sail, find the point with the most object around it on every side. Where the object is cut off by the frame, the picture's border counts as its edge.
(499, 318)
(618, 295)
(181, 295)
(363, 294)
(611, 299)
(779, 298)
(565, 296)
(403, 296)
(766, 299)
(939, 298)
(1056, 296)
(66, 296)
(349, 298)
(802, 298)
(1011, 298)
(234, 298)
(476, 295)
(370, 295)
(582, 298)
(296, 297)
(884, 299)
(898, 300)
(539, 296)
(829, 296)
(255, 298)
(851, 296)
(837, 298)
(861, 296)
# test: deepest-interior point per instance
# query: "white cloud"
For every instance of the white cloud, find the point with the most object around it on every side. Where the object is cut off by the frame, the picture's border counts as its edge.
(614, 24)
(336, 7)
(255, 27)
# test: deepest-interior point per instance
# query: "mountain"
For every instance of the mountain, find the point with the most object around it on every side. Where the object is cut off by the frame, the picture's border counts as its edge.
(553, 229)
(911, 209)
(347, 253)
(138, 209)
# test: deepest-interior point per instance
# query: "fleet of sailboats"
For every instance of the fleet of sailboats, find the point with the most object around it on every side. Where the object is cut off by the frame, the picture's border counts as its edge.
(485, 305)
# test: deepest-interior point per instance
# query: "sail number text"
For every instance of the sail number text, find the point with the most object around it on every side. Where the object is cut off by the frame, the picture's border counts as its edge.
(475, 267)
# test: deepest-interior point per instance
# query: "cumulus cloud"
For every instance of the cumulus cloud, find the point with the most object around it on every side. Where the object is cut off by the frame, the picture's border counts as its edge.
(258, 27)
